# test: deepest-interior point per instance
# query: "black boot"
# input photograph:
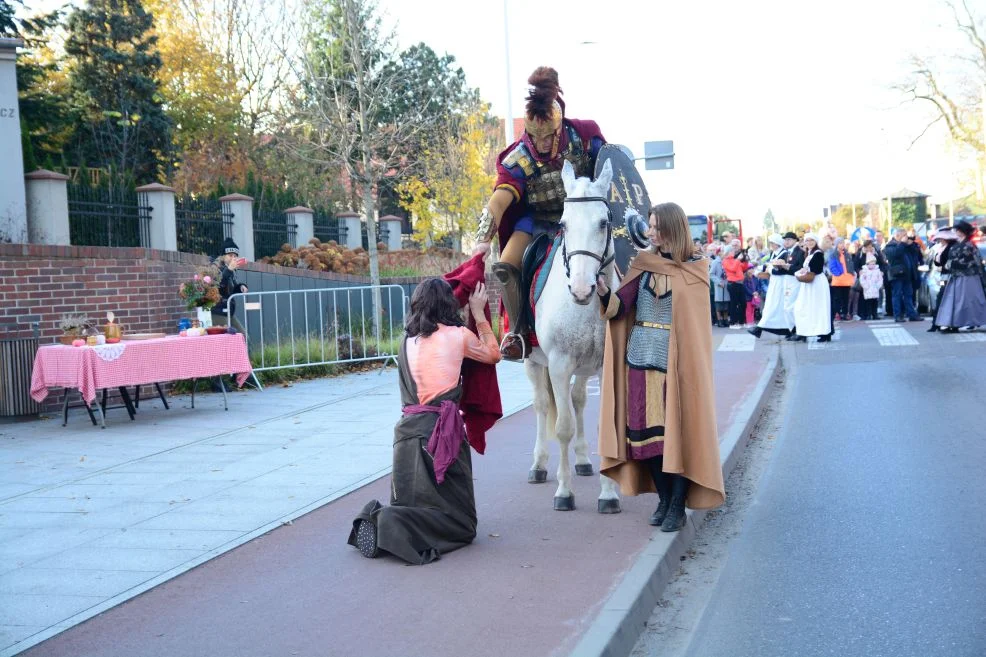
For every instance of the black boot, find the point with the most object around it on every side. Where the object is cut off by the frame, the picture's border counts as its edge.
(675, 519)
(756, 331)
(514, 346)
(662, 481)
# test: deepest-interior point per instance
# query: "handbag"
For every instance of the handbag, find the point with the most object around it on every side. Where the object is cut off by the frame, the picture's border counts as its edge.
(805, 275)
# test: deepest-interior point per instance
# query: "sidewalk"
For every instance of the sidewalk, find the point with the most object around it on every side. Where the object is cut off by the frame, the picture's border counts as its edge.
(536, 581)
(90, 517)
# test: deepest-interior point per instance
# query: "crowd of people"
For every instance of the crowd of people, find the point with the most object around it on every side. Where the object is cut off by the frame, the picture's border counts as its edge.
(819, 280)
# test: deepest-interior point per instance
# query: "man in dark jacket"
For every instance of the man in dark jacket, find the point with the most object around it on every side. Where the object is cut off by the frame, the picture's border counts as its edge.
(902, 269)
(228, 263)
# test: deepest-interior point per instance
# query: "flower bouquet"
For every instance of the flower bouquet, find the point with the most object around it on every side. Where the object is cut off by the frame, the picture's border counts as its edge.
(202, 291)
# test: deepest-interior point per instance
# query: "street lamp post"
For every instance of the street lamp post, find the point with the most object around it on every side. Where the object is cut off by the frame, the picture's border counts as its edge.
(508, 121)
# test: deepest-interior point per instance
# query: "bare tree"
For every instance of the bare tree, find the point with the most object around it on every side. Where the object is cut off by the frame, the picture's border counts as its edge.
(338, 111)
(955, 91)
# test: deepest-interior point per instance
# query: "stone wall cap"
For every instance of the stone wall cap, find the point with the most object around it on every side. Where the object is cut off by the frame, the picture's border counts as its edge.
(391, 217)
(155, 187)
(44, 174)
(7, 43)
(298, 209)
(236, 197)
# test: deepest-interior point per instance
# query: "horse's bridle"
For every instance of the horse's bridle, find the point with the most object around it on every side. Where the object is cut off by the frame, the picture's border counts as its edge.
(606, 258)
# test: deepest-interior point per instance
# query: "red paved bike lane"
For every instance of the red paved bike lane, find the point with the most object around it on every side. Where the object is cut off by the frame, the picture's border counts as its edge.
(531, 583)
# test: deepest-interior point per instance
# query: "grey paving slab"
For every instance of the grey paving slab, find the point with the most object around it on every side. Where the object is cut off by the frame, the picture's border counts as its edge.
(90, 583)
(13, 634)
(165, 539)
(21, 609)
(98, 558)
(242, 521)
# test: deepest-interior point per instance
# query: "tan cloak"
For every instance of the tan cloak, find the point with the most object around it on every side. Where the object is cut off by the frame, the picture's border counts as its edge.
(691, 441)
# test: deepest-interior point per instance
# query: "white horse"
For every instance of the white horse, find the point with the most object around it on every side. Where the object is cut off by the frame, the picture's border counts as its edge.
(571, 332)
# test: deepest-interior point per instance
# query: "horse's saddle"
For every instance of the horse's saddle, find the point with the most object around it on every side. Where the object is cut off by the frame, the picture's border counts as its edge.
(536, 265)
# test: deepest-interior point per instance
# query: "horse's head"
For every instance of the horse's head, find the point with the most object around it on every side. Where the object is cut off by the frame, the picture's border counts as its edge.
(588, 230)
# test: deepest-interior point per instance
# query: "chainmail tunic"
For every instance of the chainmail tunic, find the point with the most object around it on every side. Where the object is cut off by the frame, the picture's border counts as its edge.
(648, 347)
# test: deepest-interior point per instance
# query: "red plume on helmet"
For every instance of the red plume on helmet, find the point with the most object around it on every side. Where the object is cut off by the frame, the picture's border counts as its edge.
(543, 93)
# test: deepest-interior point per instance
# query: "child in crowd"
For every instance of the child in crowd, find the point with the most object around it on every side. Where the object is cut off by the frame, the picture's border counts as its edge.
(871, 279)
(750, 284)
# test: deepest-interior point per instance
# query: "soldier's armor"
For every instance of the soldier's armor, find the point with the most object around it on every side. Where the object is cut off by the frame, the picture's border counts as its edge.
(545, 192)
(648, 346)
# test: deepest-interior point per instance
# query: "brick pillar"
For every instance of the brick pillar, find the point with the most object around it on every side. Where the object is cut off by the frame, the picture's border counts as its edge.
(349, 222)
(304, 219)
(161, 200)
(241, 207)
(47, 208)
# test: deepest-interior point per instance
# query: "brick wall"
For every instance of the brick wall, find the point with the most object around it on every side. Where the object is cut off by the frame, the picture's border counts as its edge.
(39, 284)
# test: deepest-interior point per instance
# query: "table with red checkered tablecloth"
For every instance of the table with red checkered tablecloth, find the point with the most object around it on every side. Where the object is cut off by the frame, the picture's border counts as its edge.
(138, 362)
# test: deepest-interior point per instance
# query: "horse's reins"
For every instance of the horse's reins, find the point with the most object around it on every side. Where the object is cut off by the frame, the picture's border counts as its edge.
(606, 258)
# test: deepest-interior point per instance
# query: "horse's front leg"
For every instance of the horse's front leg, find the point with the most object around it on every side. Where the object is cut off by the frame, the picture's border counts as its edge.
(560, 373)
(583, 466)
(538, 376)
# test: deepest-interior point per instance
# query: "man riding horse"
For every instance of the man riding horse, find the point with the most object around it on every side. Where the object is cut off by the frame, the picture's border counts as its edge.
(529, 196)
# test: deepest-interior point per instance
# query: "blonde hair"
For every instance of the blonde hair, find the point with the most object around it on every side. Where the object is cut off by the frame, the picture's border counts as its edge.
(672, 224)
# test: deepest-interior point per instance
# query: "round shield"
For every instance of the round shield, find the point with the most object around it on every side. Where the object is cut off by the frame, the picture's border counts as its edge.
(626, 190)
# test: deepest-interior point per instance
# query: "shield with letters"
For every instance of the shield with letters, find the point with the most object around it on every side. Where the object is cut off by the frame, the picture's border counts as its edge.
(626, 190)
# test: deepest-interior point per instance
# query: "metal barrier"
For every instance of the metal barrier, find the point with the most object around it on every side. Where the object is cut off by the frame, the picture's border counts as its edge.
(16, 364)
(327, 326)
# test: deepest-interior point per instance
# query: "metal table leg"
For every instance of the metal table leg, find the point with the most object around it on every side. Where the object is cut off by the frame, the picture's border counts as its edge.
(131, 411)
(222, 385)
(195, 383)
(161, 395)
(65, 408)
(100, 412)
(137, 397)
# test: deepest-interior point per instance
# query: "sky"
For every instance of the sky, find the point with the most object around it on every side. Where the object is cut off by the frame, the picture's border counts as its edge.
(780, 104)
(770, 104)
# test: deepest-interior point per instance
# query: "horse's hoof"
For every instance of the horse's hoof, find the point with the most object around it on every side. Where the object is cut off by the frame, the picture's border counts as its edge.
(609, 506)
(537, 476)
(583, 469)
(565, 503)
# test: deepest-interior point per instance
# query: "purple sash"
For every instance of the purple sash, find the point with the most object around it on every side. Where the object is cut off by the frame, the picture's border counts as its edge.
(447, 437)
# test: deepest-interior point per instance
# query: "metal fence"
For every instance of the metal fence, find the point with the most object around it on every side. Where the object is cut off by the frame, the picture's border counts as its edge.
(302, 328)
(202, 225)
(107, 216)
(383, 234)
(327, 228)
(271, 231)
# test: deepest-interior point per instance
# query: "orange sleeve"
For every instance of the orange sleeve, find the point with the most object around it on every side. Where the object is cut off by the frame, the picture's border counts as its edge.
(484, 348)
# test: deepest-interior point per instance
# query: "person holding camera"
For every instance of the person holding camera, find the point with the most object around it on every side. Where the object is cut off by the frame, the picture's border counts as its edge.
(902, 270)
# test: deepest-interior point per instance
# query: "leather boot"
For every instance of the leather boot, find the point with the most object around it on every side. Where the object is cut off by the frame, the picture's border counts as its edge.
(662, 481)
(675, 519)
(514, 345)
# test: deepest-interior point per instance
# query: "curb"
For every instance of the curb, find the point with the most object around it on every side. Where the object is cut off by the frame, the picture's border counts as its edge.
(619, 623)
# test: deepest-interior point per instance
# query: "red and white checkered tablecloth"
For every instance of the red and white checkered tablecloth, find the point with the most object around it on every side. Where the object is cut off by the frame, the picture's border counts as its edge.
(141, 362)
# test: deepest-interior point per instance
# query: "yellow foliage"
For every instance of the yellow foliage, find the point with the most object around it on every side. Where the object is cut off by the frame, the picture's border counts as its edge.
(456, 183)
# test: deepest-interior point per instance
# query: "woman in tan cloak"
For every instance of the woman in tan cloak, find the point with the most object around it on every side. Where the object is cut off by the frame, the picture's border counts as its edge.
(657, 426)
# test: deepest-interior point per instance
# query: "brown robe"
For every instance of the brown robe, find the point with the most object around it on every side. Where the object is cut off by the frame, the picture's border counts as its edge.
(425, 519)
(691, 441)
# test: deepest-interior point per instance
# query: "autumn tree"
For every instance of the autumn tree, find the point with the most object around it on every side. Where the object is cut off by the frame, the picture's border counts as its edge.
(454, 182)
(341, 112)
(953, 87)
(113, 68)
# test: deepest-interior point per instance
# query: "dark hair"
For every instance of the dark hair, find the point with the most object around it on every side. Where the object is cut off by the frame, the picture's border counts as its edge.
(432, 304)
